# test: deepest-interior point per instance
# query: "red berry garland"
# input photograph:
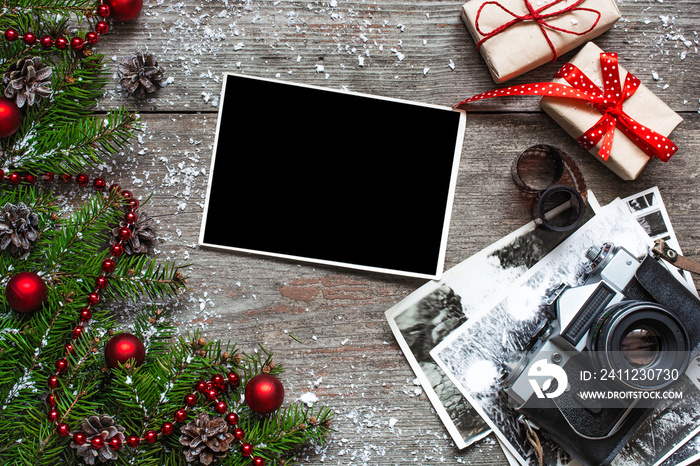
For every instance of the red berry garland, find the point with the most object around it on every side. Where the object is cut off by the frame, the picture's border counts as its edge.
(123, 347)
(78, 43)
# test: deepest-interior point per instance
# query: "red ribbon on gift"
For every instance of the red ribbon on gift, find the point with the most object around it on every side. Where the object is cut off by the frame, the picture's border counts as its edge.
(537, 16)
(608, 101)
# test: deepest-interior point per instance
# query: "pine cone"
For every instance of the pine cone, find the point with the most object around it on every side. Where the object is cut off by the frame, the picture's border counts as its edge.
(141, 237)
(206, 439)
(103, 426)
(140, 74)
(18, 228)
(27, 81)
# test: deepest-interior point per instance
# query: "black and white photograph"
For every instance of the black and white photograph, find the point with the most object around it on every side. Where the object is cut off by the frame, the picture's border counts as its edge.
(686, 455)
(650, 211)
(476, 356)
(688, 451)
(425, 318)
(642, 200)
(664, 435)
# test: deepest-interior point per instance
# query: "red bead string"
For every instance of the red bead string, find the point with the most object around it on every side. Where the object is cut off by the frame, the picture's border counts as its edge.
(61, 42)
(209, 390)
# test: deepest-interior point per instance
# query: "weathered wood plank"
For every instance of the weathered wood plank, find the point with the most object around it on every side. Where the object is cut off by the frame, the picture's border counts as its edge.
(418, 50)
(346, 353)
(396, 49)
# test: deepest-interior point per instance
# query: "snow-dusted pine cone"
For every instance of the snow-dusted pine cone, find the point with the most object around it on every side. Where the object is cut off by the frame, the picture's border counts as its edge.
(27, 81)
(206, 439)
(140, 74)
(18, 228)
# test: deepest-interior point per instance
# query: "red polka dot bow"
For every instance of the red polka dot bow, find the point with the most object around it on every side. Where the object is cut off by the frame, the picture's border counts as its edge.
(608, 101)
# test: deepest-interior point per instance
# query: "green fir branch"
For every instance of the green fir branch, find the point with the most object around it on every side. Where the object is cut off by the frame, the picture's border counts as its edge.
(142, 275)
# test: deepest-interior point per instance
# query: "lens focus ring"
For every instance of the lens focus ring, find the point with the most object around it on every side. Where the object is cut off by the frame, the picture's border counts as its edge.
(634, 337)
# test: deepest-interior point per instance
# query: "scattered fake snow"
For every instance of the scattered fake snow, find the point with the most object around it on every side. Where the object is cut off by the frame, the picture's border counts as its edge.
(365, 431)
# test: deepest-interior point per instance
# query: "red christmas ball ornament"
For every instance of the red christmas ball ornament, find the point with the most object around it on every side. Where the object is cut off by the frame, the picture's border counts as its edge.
(218, 380)
(101, 282)
(61, 365)
(26, 292)
(122, 347)
(124, 10)
(264, 393)
(99, 184)
(78, 331)
(10, 117)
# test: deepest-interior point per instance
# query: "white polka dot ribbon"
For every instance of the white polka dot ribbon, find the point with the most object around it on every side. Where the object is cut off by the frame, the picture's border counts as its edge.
(609, 102)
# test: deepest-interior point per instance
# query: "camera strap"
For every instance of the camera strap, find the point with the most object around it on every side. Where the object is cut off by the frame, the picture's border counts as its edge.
(533, 439)
(663, 251)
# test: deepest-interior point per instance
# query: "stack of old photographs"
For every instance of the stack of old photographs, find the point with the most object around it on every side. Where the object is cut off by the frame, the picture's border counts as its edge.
(461, 333)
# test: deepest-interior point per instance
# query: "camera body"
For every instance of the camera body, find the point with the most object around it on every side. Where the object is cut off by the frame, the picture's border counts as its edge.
(629, 330)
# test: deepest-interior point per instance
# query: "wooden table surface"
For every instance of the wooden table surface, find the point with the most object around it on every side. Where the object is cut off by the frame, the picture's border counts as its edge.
(325, 324)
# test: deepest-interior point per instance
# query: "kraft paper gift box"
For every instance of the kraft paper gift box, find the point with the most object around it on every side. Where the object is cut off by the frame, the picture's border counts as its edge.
(626, 158)
(516, 36)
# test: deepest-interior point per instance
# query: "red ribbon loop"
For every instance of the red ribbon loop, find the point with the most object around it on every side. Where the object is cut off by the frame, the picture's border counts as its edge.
(537, 16)
(608, 101)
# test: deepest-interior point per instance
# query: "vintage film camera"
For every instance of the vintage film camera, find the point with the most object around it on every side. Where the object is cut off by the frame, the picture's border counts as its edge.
(630, 329)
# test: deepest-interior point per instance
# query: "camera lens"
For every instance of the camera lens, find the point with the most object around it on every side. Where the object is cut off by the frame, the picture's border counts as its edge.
(641, 347)
(641, 343)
